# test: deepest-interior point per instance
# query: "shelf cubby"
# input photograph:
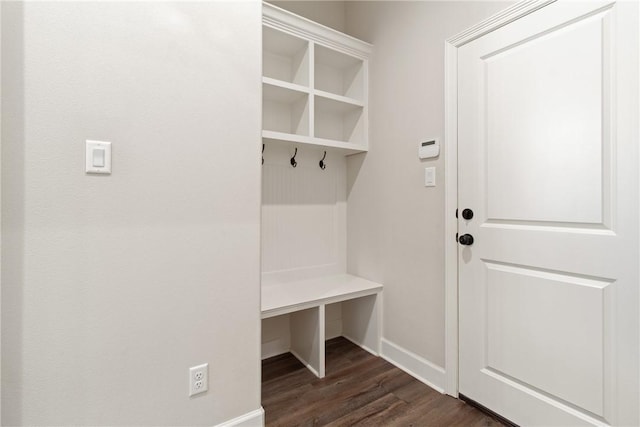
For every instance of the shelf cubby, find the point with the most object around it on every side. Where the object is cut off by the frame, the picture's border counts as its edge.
(339, 120)
(285, 109)
(285, 57)
(338, 73)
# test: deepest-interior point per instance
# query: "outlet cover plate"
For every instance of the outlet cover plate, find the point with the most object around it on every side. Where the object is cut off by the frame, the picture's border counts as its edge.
(198, 379)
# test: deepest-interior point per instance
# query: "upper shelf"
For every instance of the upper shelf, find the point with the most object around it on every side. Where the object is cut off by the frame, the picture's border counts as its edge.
(285, 85)
(338, 98)
(314, 84)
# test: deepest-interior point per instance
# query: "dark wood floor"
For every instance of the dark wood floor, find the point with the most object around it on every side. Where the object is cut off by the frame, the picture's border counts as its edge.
(359, 389)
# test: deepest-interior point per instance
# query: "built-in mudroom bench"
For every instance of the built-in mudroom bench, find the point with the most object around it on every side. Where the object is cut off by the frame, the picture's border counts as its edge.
(305, 302)
(315, 113)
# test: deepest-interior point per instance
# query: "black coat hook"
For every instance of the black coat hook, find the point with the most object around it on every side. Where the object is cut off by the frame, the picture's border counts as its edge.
(293, 159)
(263, 154)
(322, 164)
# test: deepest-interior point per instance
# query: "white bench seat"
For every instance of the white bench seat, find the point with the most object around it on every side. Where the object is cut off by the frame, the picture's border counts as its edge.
(305, 300)
(286, 297)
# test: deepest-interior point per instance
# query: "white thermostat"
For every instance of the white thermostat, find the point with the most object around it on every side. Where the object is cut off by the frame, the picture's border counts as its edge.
(429, 148)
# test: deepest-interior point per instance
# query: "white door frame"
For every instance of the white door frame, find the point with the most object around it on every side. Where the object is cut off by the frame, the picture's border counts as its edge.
(451, 46)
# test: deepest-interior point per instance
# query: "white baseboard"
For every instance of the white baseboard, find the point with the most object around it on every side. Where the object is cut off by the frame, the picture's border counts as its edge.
(414, 365)
(251, 419)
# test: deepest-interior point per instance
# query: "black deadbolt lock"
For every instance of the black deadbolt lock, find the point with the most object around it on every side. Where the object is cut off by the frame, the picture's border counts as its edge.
(466, 240)
(467, 214)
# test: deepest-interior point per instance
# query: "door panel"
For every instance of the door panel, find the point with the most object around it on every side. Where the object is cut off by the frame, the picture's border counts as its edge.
(534, 339)
(548, 292)
(543, 105)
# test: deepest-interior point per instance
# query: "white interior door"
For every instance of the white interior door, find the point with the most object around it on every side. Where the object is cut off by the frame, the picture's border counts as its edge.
(548, 162)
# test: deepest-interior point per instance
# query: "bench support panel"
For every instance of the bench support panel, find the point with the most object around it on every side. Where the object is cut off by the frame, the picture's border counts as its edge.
(307, 338)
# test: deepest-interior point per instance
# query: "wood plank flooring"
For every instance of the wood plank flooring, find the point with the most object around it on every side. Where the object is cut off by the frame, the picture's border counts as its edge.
(358, 390)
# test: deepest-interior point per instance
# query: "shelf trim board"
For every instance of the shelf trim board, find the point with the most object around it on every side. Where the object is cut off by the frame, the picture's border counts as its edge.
(280, 19)
(347, 148)
(338, 98)
(285, 85)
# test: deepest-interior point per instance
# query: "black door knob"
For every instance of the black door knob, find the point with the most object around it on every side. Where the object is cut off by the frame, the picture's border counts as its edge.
(467, 214)
(466, 239)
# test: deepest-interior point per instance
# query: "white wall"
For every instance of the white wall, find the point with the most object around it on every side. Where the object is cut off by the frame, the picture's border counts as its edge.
(327, 12)
(395, 224)
(112, 286)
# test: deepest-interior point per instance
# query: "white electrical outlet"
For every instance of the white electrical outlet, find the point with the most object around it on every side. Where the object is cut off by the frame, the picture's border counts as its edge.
(198, 379)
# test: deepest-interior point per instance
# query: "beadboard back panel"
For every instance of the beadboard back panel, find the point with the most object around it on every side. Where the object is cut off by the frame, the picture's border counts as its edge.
(303, 213)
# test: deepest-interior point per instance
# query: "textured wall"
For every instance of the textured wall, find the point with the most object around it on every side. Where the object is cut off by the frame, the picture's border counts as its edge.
(113, 286)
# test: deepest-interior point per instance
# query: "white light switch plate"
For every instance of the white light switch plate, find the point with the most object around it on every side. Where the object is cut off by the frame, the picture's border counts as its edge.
(430, 177)
(98, 157)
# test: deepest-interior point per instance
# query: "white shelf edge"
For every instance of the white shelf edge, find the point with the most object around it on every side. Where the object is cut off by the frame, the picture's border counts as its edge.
(286, 137)
(371, 288)
(315, 303)
(347, 148)
(285, 85)
(338, 98)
